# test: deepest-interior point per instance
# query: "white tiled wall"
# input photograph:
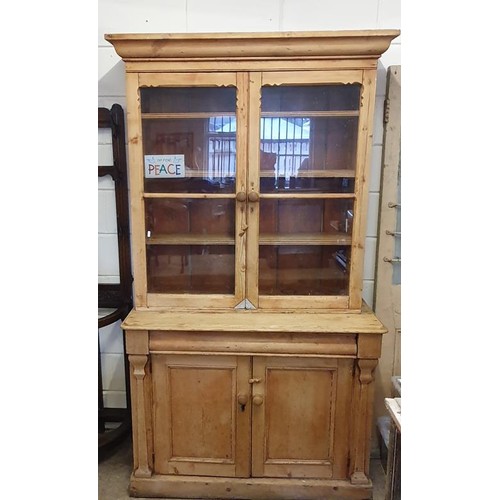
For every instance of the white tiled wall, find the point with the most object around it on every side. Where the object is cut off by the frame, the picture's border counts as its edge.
(164, 16)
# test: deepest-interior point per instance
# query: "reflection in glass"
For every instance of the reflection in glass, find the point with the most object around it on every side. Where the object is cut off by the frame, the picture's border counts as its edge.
(208, 147)
(219, 100)
(196, 125)
(304, 270)
(328, 220)
(171, 219)
(309, 138)
(199, 269)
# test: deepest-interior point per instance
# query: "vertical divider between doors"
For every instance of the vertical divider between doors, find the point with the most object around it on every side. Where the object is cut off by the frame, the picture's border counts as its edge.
(258, 445)
(253, 183)
(244, 419)
(241, 237)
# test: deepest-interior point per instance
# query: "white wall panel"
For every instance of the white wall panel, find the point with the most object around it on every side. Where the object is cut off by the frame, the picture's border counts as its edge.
(111, 339)
(228, 15)
(105, 155)
(368, 287)
(108, 101)
(389, 14)
(106, 182)
(391, 57)
(107, 211)
(372, 217)
(111, 73)
(114, 399)
(113, 372)
(144, 16)
(307, 15)
(104, 136)
(370, 258)
(378, 125)
(108, 255)
(375, 168)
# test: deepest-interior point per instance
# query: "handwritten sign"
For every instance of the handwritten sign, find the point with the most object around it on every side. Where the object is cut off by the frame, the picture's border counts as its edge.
(164, 166)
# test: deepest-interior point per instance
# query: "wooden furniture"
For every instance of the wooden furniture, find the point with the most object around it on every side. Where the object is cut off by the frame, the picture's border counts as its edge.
(115, 300)
(252, 354)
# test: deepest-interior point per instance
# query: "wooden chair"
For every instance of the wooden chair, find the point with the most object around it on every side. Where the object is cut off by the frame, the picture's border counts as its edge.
(115, 300)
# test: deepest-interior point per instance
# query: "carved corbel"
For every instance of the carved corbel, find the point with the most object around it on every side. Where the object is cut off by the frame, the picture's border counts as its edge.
(139, 415)
(362, 399)
(367, 370)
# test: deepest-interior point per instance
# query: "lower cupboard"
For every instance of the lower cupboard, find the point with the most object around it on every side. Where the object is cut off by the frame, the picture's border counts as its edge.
(251, 414)
(242, 416)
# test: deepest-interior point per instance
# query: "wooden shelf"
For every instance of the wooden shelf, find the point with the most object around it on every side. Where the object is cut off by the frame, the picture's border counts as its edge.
(309, 239)
(314, 173)
(191, 239)
(344, 173)
(264, 114)
(189, 116)
(302, 239)
(309, 114)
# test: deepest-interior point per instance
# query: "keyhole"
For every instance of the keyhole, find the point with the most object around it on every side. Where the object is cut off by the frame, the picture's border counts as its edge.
(242, 407)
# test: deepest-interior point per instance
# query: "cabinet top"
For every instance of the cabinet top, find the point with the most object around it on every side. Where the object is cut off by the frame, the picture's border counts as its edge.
(255, 321)
(302, 44)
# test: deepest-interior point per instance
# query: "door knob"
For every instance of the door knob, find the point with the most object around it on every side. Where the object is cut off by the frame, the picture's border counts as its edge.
(253, 196)
(258, 400)
(242, 399)
(241, 196)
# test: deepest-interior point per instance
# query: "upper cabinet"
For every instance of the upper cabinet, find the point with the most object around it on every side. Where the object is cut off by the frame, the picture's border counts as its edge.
(249, 158)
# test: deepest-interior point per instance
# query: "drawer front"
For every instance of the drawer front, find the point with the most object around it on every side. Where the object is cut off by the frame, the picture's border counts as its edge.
(298, 344)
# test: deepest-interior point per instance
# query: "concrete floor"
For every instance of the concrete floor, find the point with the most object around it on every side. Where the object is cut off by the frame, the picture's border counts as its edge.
(115, 470)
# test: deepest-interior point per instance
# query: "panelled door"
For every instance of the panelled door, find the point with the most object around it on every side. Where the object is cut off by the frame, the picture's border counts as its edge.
(300, 416)
(201, 416)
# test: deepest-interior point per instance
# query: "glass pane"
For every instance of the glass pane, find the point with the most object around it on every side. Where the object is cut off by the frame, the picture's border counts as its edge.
(199, 269)
(319, 221)
(188, 100)
(312, 98)
(190, 245)
(189, 140)
(207, 221)
(309, 138)
(304, 270)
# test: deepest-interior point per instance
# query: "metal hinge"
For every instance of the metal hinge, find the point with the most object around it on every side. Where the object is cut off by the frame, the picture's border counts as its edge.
(387, 109)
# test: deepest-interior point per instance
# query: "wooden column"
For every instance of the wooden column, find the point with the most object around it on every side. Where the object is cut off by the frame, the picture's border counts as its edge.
(369, 347)
(140, 389)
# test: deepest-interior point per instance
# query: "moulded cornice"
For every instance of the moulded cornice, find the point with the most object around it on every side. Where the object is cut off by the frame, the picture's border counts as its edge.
(276, 45)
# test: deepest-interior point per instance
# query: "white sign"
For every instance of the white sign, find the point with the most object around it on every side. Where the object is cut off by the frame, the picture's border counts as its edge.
(164, 166)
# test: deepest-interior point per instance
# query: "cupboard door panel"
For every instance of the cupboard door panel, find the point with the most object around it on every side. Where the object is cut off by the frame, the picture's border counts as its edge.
(294, 428)
(199, 426)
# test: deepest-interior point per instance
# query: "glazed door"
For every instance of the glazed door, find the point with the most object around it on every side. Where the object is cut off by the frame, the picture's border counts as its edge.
(308, 144)
(300, 417)
(187, 147)
(201, 415)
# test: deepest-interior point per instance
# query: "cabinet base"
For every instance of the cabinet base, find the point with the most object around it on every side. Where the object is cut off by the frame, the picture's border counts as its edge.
(252, 488)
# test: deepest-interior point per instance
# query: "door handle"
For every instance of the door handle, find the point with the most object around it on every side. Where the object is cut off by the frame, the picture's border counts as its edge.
(241, 196)
(242, 401)
(253, 196)
(258, 400)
